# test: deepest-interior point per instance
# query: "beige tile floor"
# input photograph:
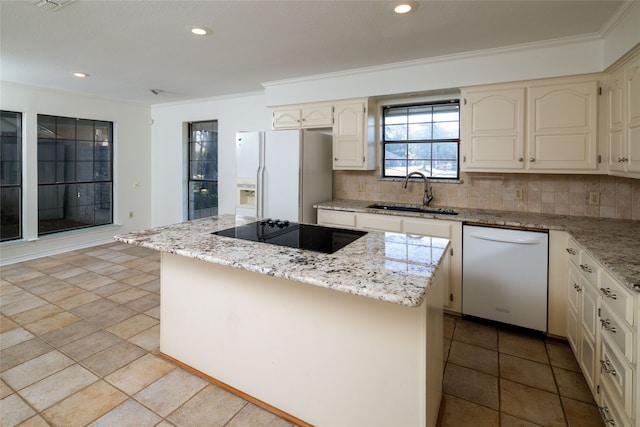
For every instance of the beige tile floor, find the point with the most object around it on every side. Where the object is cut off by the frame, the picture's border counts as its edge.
(79, 335)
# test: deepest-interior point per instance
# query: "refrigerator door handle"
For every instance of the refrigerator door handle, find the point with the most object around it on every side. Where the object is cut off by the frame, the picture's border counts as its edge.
(260, 177)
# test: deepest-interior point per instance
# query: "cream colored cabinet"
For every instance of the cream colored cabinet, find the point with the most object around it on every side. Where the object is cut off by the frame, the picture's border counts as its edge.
(545, 126)
(493, 129)
(562, 126)
(582, 312)
(354, 135)
(622, 123)
(304, 116)
(603, 334)
(452, 230)
(618, 351)
(557, 307)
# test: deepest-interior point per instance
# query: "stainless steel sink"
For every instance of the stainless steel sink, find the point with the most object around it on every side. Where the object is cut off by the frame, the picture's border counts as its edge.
(405, 208)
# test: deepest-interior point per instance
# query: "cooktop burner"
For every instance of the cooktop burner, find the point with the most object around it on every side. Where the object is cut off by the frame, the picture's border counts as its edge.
(291, 234)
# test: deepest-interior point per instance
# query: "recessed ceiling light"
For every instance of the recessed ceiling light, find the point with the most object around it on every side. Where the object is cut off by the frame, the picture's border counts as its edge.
(80, 75)
(404, 7)
(200, 31)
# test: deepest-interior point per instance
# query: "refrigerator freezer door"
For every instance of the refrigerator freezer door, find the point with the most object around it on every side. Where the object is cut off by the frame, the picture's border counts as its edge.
(281, 185)
(247, 171)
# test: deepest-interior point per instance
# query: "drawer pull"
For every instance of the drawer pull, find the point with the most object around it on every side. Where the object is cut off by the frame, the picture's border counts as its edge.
(585, 267)
(605, 364)
(607, 293)
(606, 324)
(577, 288)
(604, 412)
(571, 251)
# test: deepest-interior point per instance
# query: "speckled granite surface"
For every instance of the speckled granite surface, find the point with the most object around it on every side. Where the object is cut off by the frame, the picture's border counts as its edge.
(614, 243)
(385, 266)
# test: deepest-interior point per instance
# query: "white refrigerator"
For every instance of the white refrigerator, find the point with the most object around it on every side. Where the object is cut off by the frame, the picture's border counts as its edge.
(282, 174)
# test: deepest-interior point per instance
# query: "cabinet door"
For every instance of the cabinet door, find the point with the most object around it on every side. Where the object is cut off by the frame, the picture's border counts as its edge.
(589, 325)
(320, 116)
(615, 122)
(493, 129)
(632, 92)
(573, 308)
(349, 136)
(286, 119)
(562, 127)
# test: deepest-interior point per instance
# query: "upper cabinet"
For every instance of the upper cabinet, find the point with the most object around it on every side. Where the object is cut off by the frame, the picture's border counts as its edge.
(545, 126)
(307, 116)
(622, 121)
(493, 129)
(354, 135)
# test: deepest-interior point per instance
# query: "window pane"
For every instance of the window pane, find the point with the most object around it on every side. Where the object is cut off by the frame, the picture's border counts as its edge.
(66, 150)
(446, 130)
(423, 166)
(85, 130)
(420, 114)
(203, 199)
(445, 150)
(420, 131)
(103, 132)
(46, 172)
(11, 214)
(46, 127)
(84, 171)
(395, 167)
(419, 151)
(66, 128)
(446, 113)
(84, 150)
(395, 116)
(395, 133)
(445, 169)
(65, 172)
(395, 151)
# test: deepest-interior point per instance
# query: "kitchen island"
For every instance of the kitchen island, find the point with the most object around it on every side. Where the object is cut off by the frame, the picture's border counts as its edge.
(352, 338)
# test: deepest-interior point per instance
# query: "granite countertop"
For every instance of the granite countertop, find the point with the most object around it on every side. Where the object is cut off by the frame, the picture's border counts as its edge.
(614, 243)
(385, 266)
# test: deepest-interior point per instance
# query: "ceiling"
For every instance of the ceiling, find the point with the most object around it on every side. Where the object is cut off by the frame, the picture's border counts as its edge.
(131, 47)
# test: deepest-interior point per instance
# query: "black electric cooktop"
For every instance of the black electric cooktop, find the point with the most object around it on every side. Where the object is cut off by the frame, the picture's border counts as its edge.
(302, 236)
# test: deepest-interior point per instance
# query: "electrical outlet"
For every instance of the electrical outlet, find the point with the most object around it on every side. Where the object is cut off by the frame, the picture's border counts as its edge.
(517, 193)
(594, 198)
(130, 214)
(362, 186)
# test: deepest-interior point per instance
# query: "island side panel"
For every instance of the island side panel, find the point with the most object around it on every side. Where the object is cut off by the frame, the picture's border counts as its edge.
(326, 357)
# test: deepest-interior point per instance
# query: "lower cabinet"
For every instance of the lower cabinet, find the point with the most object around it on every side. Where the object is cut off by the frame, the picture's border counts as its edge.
(603, 334)
(451, 230)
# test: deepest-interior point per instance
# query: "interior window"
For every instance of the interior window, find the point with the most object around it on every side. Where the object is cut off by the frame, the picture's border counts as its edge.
(424, 138)
(75, 173)
(203, 169)
(10, 175)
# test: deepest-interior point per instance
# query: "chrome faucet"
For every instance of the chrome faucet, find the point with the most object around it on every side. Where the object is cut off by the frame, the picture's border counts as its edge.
(428, 192)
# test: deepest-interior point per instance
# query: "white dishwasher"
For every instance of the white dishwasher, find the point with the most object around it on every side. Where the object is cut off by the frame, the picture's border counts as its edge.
(505, 275)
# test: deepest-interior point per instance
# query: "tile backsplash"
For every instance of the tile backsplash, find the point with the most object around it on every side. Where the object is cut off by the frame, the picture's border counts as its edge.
(556, 194)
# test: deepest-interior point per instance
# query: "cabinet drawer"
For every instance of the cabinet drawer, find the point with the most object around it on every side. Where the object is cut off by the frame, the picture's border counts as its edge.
(616, 371)
(617, 331)
(589, 267)
(338, 218)
(610, 410)
(573, 251)
(380, 222)
(616, 296)
(427, 227)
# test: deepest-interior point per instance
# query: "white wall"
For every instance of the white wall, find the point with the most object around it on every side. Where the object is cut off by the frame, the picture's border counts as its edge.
(242, 113)
(560, 58)
(132, 165)
(623, 35)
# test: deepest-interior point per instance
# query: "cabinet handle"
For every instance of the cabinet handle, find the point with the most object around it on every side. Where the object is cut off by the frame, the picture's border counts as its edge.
(571, 251)
(335, 158)
(622, 159)
(577, 288)
(607, 293)
(532, 159)
(585, 267)
(520, 159)
(605, 365)
(604, 412)
(606, 324)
